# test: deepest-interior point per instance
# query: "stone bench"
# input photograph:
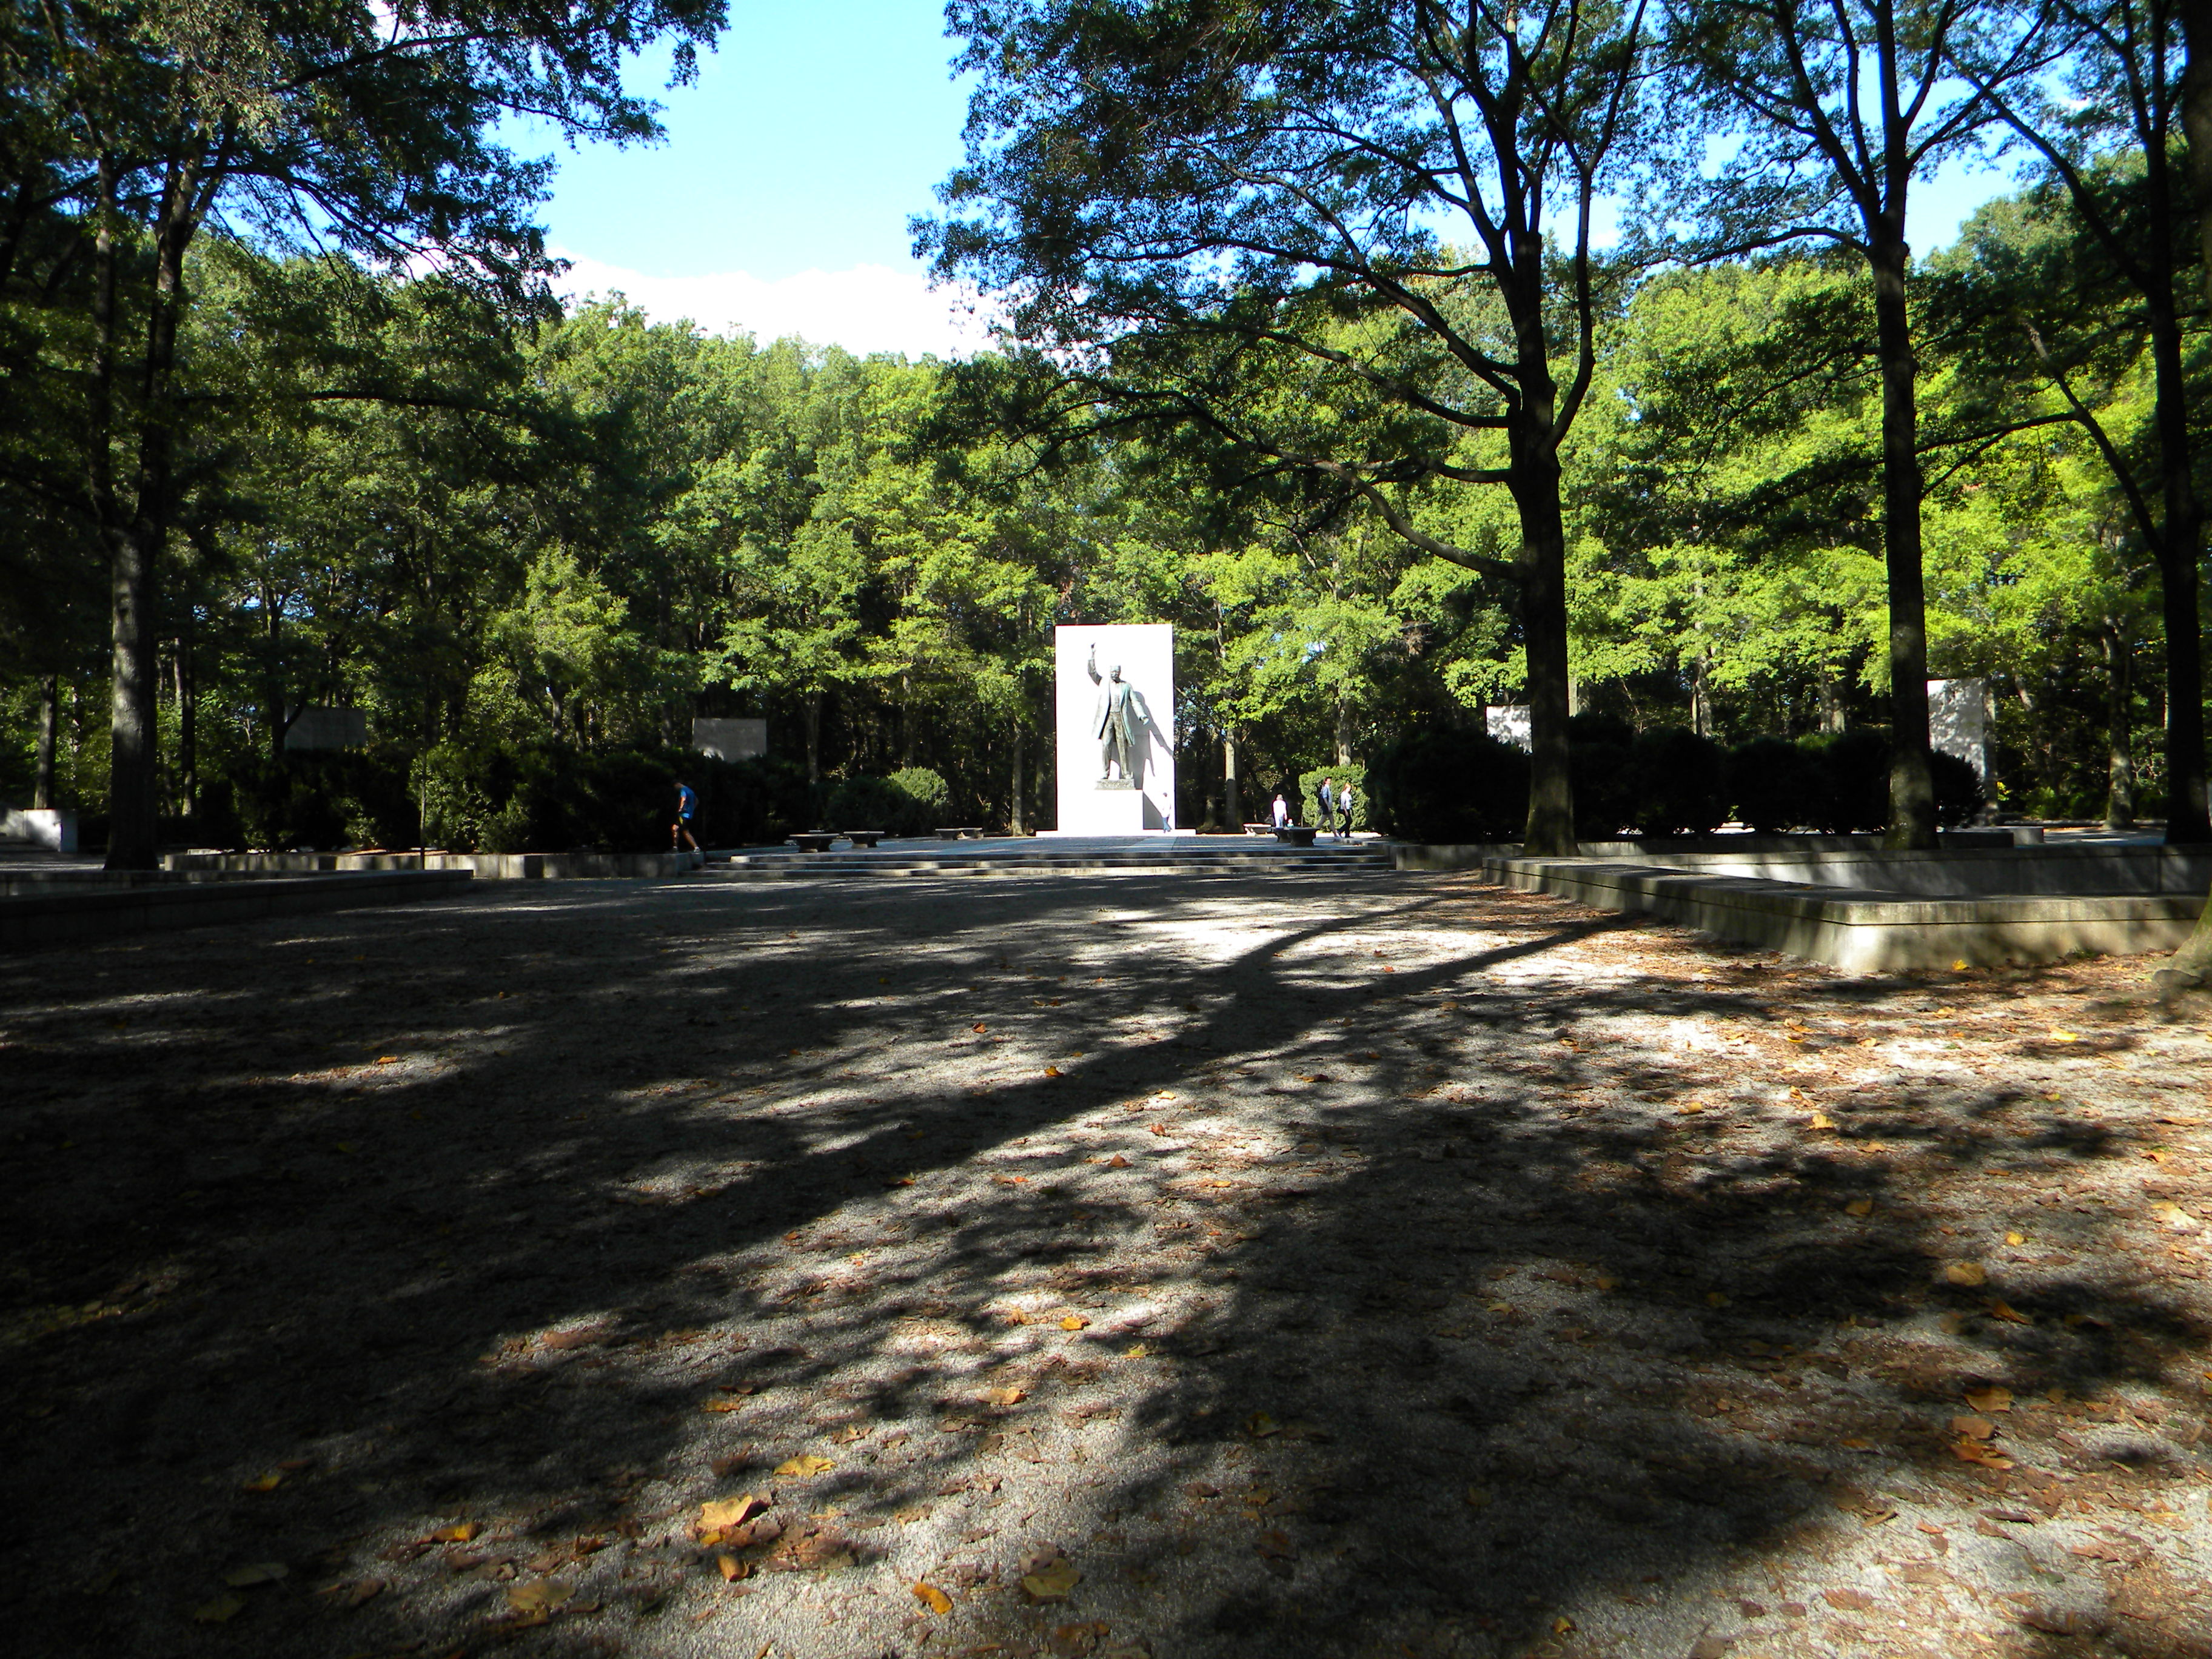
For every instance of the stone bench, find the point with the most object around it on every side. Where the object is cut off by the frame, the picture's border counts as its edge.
(817, 841)
(961, 832)
(1259, 829)
(863, 837)
(1296, 835)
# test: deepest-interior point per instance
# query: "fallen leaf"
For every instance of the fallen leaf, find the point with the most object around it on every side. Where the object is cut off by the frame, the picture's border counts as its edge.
(387, 1059)
(1260, 1425)
(221, 1610)
(2065, 1036)
(1117, 1162)
(933, 1598)
(540, 1596)
(256, 1572)
(1848, 1600)
(1991, 1399)
(1135, 1351)
(979, 1026)
(268, 1482)
(1973, 1451)
(1820, 1121)
(1159, 1128)
(731, 1568)
(1008, 1396)
(1074, 1322)
(1606, 1282)
(1477, 1498)
(1276, 1546)
(805, 1463)
(1562, 1624)
(723, 1405)
(1859, 1207)
(351, 1593)
(1052, 1071)
(2016, 1239)
(1053, 1580)
(2010, 1315)
(723, 1513)
(1974, 1428)
(1965, 1272)
(460, 1533)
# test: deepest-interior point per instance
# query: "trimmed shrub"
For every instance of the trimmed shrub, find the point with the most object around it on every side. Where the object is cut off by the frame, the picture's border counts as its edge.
(1776, 786)
(1445, 786)
(1601, 761)
(546, 798)
(1958, 791)
(909, 802)
(1309, 795)
(351, 798)
(928, 791)
(1854, 770)
(1680, 782)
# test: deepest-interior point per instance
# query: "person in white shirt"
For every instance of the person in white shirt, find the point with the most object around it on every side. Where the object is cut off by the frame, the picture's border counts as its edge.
(1282, 812)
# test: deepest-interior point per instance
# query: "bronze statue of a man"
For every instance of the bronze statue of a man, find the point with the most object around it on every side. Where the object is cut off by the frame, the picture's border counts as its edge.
(1118, 721)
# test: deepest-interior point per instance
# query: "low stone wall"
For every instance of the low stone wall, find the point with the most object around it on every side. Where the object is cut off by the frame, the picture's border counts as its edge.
(492, 866)
(1864, 930)
(62, 912)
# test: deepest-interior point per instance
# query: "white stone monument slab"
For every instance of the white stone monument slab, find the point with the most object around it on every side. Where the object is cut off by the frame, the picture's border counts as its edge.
(326, 728)
(1092, 803)
(1959, 720)
(737, 739)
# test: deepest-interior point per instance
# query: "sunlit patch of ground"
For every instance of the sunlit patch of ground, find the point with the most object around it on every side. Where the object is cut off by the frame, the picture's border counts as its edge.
(1101, 1267)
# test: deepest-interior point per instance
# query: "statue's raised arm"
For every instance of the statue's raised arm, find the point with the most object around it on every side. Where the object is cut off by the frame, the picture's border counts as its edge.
(1092, 667)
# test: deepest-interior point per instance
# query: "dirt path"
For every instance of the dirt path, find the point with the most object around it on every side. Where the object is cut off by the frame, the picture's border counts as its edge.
(1176, 1267)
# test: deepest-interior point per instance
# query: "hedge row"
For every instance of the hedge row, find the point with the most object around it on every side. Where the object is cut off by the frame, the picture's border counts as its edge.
(1438, 786)
(539, 799)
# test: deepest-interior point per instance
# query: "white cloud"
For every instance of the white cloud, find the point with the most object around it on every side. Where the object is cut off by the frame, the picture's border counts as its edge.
(867, 308)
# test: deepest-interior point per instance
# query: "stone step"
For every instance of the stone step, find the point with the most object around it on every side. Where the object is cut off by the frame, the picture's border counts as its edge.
(773, 866)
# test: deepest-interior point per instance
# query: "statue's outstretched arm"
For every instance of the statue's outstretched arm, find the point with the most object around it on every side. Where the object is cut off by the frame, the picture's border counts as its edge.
(1092, 667)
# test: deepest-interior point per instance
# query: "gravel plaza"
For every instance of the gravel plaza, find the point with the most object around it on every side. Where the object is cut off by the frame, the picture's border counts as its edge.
(1363, 1265)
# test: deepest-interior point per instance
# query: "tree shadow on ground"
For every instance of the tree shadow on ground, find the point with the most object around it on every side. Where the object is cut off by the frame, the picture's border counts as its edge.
(1484, 1287)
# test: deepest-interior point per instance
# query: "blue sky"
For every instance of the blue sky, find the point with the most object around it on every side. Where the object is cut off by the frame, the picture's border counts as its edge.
(780, 200)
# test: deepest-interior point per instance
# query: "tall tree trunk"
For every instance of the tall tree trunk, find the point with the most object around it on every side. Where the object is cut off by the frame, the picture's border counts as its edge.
(1233, 802)
(42, 781)
(1343, 729)
(1911, 789)
(1543, 561)
(1014, 818)
(1701, 692)
(188, 748)
(2180, 546)
(814, 738)
(133, 828)
(272, 680)
(2119, 698)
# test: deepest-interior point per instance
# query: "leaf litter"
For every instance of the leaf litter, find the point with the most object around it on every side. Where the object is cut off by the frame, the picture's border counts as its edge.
(1445, 1273)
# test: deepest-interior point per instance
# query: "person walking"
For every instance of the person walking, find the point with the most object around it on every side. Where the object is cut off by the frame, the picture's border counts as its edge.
(1344, 809)
(1326, 817)
(1281, 813)
(687, 806)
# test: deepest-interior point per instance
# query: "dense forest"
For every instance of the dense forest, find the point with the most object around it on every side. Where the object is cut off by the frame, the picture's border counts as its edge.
(291, 421)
